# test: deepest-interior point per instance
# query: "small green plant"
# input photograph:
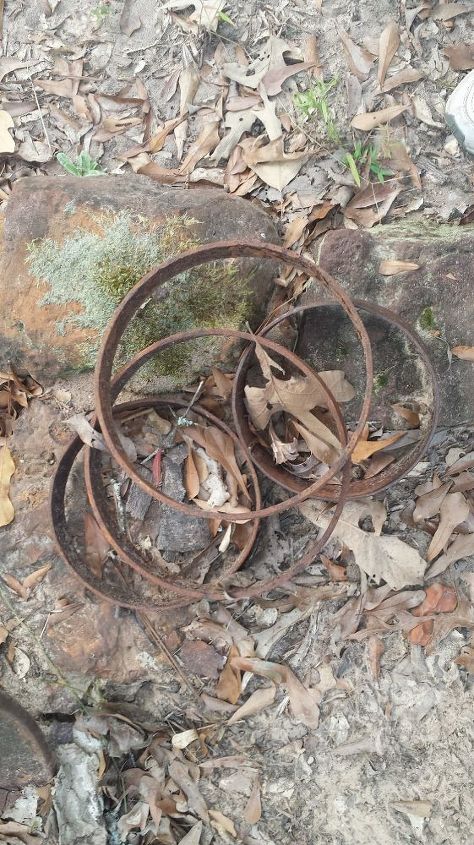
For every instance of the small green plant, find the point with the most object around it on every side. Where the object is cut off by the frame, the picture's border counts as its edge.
(315, 101)
(83, 166)
(365, 155)
(100, 12)
(427, 321)
(380, 381)
(225, 18)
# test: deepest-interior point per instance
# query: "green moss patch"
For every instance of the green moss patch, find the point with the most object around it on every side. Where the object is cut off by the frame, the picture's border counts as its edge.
(97, 269)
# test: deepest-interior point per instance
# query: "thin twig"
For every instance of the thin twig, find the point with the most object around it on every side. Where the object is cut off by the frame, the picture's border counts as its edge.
(39, 109)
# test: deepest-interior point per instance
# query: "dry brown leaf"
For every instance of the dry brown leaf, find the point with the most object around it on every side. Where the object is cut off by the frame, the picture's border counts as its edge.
(193, 836)
(400, 160)
(428, 504)
(191, 475)
(162, 174)
(237, 123)
(381, 196)
(444, 623)
(223, 383)
(23, 588)
(375, 649)
(411, 417)
(294, 230)
(439, 598)
(421, 634)
(324, 446)
(454, 510)
(129, 19)
(271, 163)
(229, 685)
(253, 808)
(7, 468)
(381, 557)
(297, 395)
(446, 11)
(202, 146)
(96, 545)
(219, 446)
(466, 353)
(111, 126)
(388, 46)
(259, 700)
(304, 702)
(179, 773)
(390, 267)
(337, 572)
(360, 60)
(275, 77)
(462, 464)
(403, 77)
(461, 56)
(282, 451)
(222, 823)
(365, 448)
(7, 143)
(463, 483)
(205, 14)
(369, 120)
(461, 547)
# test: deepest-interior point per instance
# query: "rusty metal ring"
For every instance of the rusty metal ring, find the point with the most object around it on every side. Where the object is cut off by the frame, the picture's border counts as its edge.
(121, 595)
(124, 547)
(358, 487)
(144, 289)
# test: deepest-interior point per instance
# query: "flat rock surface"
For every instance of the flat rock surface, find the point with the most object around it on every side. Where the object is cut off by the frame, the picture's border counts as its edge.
(437, 301)
(72, 248)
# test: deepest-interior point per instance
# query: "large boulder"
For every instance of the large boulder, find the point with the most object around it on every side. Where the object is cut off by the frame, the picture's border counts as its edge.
(437, 301)
(73, 247)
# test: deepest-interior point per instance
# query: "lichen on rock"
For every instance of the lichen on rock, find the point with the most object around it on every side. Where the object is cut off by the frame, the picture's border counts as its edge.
(92, 270)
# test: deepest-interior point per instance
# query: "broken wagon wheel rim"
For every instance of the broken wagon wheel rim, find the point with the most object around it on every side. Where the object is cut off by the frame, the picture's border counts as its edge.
(358, 488)
(145, 288)
(125, 548)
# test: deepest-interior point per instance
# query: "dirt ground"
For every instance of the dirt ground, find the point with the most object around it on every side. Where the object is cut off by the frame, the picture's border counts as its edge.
(391, 758)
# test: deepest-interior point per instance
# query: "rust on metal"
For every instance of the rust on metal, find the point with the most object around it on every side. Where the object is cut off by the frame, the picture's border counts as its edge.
(144, 587)
(25, 756)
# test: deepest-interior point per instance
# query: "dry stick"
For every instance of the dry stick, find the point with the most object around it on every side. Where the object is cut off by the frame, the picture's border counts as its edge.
(39, 109)
(157, 639)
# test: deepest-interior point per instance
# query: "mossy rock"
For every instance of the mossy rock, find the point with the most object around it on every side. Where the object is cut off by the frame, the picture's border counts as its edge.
(84, 243)
(437, 301)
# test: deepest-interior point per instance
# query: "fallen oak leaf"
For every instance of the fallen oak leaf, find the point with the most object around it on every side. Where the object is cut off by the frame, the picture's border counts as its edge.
(7, 468)
(388, 46)
(271, 163)
(462, 546)
(380, 195)
(454, 510)
(324, 446)
(253, 808)
(179, 773)
(206, 12)
(444, 623)
(222, 823)
(466, 353)
(229, 685)
(220, 447)
(360, 60)
(370, 120)
(411, 417)
(461, 56)
(276, 76)
(446, 11)
(23, 588)
(391, 267)
(191, 475)
(304, 702)
(428, 504)
(384, 557)
(366, 448)
(202, 146)
(403, 77)
(439, 598)
(259, 700)
(282, 452)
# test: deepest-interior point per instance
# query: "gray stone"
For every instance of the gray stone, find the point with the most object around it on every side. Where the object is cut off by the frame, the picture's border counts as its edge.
(178, 532)
(437, 301)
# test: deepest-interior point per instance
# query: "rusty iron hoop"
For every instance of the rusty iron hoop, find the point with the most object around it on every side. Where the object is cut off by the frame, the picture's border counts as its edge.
(358, 488)
(142, 292)
(124, 547)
